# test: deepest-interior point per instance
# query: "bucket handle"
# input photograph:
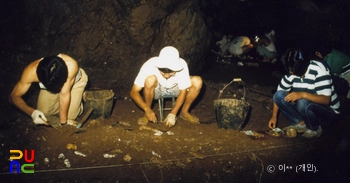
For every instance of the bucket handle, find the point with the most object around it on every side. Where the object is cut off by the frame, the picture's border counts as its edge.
(233, 80)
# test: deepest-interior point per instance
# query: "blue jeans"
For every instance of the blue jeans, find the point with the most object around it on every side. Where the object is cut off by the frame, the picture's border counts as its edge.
(304, 110)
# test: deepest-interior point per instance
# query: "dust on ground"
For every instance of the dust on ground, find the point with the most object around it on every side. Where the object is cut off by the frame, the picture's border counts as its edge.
(117, 150)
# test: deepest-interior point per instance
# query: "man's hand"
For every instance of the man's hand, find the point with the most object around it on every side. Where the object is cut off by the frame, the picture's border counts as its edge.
(39, 117)
(170, 120)
(272, 123)
(150, 115)
(294, 96)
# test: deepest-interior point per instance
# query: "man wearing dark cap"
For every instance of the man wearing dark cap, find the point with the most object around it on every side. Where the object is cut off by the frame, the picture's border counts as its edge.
(166, 75)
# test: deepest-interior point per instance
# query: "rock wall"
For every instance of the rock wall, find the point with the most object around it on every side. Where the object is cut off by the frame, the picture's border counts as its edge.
(116, 35)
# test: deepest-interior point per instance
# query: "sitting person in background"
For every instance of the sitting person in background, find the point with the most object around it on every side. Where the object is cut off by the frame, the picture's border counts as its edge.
(335, 59)
(240, 46)
(166, 75)
(265, 46)
(306, 96)
(223, 44)
(237, 47)
(339, 64)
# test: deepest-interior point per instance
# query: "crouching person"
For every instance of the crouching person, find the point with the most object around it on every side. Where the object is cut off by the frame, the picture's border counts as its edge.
(166, 75)
(62, 84)
(305, 96)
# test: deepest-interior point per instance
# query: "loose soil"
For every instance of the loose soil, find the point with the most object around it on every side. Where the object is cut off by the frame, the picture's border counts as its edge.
(115, 149)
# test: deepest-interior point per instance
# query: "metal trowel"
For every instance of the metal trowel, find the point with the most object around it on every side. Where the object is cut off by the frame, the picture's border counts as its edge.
(47, 123)
(54, 122)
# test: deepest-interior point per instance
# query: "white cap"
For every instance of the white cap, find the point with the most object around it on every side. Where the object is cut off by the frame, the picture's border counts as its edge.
(169, 58)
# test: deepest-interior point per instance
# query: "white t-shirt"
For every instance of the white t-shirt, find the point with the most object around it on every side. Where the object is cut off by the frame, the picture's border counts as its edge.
(181, 78)
(272, 46)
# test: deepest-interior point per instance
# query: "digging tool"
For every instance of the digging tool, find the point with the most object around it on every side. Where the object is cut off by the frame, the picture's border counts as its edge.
(85, 116)
(48, 124)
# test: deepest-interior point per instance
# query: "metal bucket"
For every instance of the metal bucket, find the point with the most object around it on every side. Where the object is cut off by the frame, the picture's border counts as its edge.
(101, 101)
(231, 113)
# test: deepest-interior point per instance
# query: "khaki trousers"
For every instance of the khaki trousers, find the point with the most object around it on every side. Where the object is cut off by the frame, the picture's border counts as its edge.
(48, 102)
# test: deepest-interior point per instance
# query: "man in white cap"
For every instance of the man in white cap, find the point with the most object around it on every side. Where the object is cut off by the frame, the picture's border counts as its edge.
(166, 75)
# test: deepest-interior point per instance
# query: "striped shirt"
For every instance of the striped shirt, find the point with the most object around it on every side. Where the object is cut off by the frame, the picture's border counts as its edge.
(317, 80)
(345, 72)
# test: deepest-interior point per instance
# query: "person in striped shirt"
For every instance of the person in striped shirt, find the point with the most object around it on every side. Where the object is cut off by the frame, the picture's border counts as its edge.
(305, 95)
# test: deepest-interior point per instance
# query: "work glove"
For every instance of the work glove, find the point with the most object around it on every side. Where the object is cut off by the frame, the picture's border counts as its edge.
(72, 122)
(170, 120)
(39, 117)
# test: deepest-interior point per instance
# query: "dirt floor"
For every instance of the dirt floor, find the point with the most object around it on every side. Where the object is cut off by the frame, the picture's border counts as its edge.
(117, 150)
